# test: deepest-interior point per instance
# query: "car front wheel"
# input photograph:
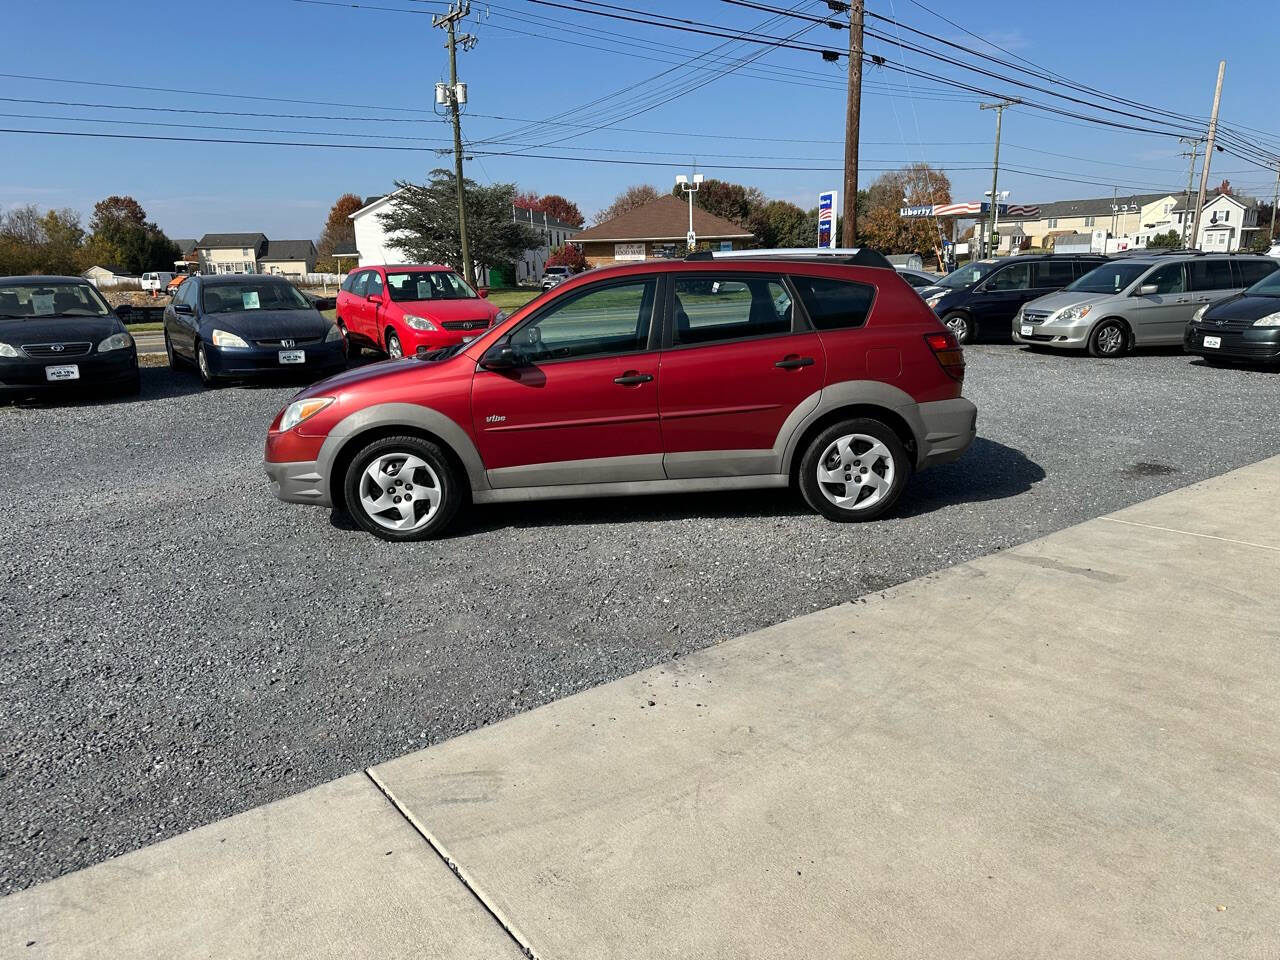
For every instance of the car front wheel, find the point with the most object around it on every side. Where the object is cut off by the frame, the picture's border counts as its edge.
(402, 488)
(960, 325)
(394, 350)
(202, 365)
(854, 470)
(1109, 339)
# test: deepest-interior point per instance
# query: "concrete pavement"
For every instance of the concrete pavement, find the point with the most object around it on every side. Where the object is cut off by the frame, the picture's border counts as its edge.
(1067, 749)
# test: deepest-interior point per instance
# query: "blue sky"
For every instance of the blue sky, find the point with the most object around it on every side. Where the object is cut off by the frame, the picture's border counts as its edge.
(532, 62)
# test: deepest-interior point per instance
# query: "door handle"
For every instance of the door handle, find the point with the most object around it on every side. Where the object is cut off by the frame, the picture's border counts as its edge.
(794, 363)
(631, 378)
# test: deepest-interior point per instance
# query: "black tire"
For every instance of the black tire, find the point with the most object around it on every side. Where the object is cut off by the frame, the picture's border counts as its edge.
(960, 324)
(353, 349)
(813, 489)
(449, 485)
(394, 349)
(175, 362)
(202, 366)
(1109, 340)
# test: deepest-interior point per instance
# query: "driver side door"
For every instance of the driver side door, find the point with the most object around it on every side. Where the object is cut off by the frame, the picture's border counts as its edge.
(581, 403)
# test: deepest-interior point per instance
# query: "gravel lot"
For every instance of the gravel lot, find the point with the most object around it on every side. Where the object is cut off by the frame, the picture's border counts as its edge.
(178, 646)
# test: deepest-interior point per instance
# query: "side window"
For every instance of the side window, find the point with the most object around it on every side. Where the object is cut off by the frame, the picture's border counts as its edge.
(596, 322)
(835, 304)
(708, 308)
(358, 287)
(374, 284)
(1251, 271)
(1016, 276)
(1207, 274)
(1054, 274)
(1168, 279)
(188, 294)
(345, 287)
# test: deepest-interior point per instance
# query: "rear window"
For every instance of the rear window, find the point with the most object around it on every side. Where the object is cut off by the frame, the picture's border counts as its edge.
(1251, 271)
(835, 304)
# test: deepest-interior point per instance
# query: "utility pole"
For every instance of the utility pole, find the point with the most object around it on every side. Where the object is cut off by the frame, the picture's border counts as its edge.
(852, 120)
(1208, 151)
(995, 164)
(1275, 198)
(454, 98)
(689, 190)
(1194, 144)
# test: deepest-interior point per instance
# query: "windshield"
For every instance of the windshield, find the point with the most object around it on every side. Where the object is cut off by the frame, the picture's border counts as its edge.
(1108, 278)
(409, 286)
(557, 270)
(1268, 286)
(31, 300)
(966, 276)
(252, 295)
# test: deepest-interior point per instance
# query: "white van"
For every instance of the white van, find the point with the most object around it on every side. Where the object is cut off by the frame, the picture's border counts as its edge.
(156, 281)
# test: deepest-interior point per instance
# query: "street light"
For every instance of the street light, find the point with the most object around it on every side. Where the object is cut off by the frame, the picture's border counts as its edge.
(690, 189)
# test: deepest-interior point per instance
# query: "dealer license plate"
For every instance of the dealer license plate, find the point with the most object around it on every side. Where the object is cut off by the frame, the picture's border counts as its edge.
(1027, 330)
(66, 371)
(293, 356)
(1213, 342)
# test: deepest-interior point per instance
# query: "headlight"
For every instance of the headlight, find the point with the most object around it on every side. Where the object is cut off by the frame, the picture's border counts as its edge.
(1067, 314)
(223, 339)
(117, 341)
(1199, 314)
(419, 323)
(6, 350)
(933, 301)
(333, 334)
(301, 410)
(1270, 320)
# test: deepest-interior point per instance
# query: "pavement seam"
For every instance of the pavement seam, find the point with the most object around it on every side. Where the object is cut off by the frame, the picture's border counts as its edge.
(507, 927)
(1190, 533)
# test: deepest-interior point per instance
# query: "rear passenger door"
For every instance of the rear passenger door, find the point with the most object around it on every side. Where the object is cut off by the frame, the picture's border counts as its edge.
(1209, 280)
(354, 313)
(737, 362)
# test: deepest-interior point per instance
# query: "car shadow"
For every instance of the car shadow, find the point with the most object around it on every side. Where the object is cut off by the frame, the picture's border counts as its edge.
(987, 471)
(158, 383)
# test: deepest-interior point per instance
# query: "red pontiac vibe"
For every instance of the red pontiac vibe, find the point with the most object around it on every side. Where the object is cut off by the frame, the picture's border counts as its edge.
(396, 310)
(722, 371)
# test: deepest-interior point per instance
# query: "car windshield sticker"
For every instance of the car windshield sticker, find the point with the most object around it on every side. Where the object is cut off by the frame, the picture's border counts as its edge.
(42, 304)
(250, 299)
(424, 289)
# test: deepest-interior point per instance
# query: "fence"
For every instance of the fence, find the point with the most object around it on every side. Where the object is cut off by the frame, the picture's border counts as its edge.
(117, 283)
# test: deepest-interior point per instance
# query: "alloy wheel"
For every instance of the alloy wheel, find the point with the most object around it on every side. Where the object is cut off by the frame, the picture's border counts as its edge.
(1110, 340)
(855, 472)
(394, 350)
(959, 326)
(400, 491)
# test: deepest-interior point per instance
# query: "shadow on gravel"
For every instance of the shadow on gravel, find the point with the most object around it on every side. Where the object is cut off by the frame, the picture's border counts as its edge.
(158, 383)
(987, 471)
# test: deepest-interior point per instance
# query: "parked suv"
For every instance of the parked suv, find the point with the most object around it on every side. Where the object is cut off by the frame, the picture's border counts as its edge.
(553, 276)
(982, 297)
(399, 309)
(1136, 301)
(723, 371)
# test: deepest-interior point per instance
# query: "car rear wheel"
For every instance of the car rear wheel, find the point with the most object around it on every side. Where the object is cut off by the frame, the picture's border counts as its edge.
(960, 325)
(402, 488)
(394, 350)
(1109, 339)
(854, 470)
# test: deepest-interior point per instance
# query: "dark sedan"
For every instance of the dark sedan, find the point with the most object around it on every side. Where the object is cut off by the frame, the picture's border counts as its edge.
(57, 333)
(238, 326)
(1243, 327)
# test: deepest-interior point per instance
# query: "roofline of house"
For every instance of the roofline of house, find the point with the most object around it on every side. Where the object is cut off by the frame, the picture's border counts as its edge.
(701, 236)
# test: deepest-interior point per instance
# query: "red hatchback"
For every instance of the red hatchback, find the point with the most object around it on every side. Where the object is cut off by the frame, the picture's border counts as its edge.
(718, 372)
(398, 309)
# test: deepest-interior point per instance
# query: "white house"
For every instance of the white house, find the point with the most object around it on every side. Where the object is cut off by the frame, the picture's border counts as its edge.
(374, 245)
(1227, 224)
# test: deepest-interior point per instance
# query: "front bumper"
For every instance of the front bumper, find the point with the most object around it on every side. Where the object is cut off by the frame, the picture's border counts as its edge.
(1259, 344)
(1073, 335)
(25, 375)
(299, 482)
(411, 340)
(255, 361)
(949, 429)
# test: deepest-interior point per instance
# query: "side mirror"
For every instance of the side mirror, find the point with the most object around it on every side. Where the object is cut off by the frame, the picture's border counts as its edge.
(1148, 289)
(374, 298)
(183, 308)
(500, 358)
(483, 291)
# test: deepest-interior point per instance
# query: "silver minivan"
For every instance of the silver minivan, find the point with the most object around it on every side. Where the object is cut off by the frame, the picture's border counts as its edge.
(1136, 301)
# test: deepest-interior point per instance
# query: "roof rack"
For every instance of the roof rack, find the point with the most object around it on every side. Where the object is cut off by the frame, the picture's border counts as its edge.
(850, 256)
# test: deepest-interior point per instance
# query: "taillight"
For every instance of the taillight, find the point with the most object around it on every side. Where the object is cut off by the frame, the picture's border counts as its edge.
(949, 353)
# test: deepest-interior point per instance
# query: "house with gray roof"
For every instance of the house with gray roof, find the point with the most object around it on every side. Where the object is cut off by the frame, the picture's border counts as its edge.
(254, 253)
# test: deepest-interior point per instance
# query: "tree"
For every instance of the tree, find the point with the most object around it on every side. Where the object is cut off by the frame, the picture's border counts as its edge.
(1165, 241)
(122, 224)
(552, 204)
(782, 224)
(63, 240)
(634, 196)
(884, 229)
(732, 201)
(568, 255)
(339, 232)
(35, 242)
(423, 222)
